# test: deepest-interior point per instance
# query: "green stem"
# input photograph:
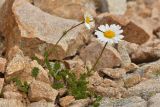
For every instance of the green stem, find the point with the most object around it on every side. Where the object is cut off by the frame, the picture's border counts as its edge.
(98, 58)
(63, 36)
(67, 32)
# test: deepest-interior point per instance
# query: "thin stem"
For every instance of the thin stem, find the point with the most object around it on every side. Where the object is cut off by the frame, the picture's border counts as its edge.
(67, 32)
(98, 58)
(63, 36)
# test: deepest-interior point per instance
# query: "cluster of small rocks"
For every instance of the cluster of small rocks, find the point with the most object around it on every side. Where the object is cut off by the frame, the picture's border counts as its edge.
(127, 75)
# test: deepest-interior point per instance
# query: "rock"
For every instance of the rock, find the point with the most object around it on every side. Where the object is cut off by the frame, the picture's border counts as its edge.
(1, 84)
(41, 103)
(81, 103)
(146, 88)
(131, 80)
(154, 101)
(126, 60)
(11, 103)
(67, 9)
(3, 62)
(133, 101)
(1, 3)
(66, 101)
(117, 7)
(12, 95)
(44, 32)
(114, 73)
(43, 74)
(149, 70)
(76, 65)
(133, 32)
(40, 90)
(92, 51)
(15, 66)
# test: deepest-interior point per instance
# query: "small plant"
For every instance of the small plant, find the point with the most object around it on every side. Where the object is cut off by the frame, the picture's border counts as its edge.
(96, 103)
(35, 72)
(21, 86)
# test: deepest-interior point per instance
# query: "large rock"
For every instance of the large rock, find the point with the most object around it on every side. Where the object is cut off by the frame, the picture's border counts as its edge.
(154, 101)
(74, 9)
(133, 32)
(109, 59)
(11, 103)
(40, 90)
(146, 88)
(127, 102)
(35, 38)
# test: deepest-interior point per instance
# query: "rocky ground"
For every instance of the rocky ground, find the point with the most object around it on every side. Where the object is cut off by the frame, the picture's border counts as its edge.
(127, 75)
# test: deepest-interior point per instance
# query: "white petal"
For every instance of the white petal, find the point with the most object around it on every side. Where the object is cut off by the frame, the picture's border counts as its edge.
(88, 26)
(107, 26)
(102, 28)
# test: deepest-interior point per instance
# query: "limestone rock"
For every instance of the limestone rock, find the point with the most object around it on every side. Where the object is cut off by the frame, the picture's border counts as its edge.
(133, 32)
(131, 80)
(146, 88)
(109, 59)
(3, 62)
(114, 73)
(15, 66)
(12, 95)
(41, 103)
(67, 9)
(66, 101)
(11, 103)
(154, 101)
(36, 38)
(40, 90)
(126, 102)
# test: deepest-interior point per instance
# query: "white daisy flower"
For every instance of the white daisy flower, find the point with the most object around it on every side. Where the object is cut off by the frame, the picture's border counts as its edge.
(87, 20)
(110, 34)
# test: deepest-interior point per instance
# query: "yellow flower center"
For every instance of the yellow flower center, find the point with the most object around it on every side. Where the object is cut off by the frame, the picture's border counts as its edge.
(109, 34)
(88, 20)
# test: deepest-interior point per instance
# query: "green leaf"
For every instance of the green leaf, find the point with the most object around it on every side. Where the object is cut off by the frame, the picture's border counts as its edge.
(58, 85)
(57, 66)
(96, 103)
(21, 86)
(35, 72)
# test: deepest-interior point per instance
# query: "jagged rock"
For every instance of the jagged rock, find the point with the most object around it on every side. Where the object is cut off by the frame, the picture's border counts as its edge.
(114, 73)
(154, 101)
(146, 88)
(40, 90)
(81, 103)
(131, 80)
(36, 38)
(41, 103)
(12, 95)
(11, 103)
(43, 74)
(126, 60)
(15, 66)
(109, 59)
(148, 70)
(127, 102)
(67, 9)
(66, 101)
(3, 62)
(76, 66)
(1, 84)
(132, 31)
